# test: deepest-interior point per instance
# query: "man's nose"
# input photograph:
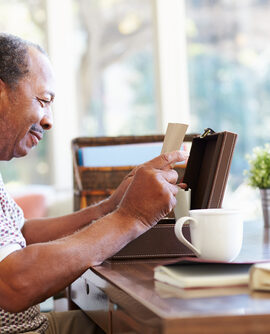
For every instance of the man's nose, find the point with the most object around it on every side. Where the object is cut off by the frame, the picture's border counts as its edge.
(47, 121)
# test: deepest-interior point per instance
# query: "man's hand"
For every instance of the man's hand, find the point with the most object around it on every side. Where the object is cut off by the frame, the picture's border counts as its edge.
(114, 200)
(151, 194)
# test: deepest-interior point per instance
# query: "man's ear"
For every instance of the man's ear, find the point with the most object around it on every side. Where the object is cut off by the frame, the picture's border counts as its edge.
(2, 85)
(3, 88)
(3, 93)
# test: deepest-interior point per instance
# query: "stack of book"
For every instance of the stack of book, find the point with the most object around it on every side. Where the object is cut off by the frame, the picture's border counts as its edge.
(194, 278)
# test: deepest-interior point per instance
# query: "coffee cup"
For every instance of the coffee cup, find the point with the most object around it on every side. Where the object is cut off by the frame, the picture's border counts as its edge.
(216, 234)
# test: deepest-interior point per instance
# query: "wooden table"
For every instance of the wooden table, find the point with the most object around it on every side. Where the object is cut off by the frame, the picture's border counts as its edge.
(122, 297)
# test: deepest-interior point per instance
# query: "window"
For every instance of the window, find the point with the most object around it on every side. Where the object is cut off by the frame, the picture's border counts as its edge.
(115, 67)
(229, 72)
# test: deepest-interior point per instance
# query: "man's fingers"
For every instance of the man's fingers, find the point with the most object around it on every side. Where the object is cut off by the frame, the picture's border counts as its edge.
(183, 185)
(168, 159)
(173, 188)
(170, 175)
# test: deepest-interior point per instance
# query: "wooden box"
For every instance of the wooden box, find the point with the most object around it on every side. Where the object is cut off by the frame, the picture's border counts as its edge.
(95, 183)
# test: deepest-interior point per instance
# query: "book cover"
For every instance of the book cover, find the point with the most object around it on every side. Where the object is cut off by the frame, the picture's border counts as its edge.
(260, 277)
(165, 290)
(192, 274)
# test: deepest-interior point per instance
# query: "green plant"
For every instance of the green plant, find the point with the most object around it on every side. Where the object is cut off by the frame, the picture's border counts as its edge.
(259, 172)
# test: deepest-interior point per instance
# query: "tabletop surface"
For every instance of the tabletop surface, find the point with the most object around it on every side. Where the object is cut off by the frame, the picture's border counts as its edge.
(135, 278)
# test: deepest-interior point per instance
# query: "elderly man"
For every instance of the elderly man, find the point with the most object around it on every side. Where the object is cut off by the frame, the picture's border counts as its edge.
(40, 257)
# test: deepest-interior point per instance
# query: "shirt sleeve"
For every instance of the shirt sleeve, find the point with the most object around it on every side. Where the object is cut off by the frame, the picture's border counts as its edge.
(6, 250)
(11, 222)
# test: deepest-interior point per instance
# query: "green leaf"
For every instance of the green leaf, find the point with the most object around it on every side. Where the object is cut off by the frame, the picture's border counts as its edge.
(258, 174)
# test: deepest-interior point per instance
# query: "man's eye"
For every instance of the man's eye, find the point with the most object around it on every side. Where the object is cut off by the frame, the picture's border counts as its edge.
(43, 102)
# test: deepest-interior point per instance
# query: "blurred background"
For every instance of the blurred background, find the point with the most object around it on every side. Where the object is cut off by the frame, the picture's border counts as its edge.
(128, 67)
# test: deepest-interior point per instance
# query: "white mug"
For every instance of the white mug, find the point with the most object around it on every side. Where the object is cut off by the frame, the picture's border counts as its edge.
(216, 234)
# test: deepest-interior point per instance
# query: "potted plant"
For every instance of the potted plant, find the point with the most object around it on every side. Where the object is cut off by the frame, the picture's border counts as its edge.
(259, 177)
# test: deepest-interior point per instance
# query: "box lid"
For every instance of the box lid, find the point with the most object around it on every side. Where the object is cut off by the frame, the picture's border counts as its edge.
(208, 168)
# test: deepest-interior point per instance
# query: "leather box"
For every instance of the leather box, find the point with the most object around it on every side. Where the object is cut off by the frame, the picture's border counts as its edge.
(206, 175)
(158, 242)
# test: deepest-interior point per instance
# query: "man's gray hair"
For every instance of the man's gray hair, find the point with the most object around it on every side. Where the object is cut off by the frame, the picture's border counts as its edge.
(14, 58)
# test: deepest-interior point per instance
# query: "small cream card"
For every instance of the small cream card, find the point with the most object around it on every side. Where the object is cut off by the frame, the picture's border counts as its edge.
(173, 140)
(174, 137)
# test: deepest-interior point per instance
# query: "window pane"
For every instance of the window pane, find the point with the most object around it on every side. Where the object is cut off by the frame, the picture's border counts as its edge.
(115, 67)
(228, 60)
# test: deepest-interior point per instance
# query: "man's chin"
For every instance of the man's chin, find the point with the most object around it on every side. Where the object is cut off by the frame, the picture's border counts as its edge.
(22, 152)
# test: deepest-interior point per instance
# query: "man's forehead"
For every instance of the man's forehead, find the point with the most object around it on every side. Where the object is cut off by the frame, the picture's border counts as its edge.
(40, 71)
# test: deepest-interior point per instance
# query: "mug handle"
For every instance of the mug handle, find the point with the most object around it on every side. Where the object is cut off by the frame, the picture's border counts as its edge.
(179, 234)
